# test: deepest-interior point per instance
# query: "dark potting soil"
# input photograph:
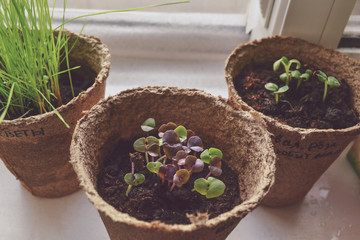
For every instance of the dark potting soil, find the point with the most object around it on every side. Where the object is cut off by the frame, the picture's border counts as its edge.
(153, 201)
(298, 108)
(82, 79)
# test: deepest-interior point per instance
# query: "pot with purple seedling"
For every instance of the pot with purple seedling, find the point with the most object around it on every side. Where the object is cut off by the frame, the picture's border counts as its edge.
(193, 177)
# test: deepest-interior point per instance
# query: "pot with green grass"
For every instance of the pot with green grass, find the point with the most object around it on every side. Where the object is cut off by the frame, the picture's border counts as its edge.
(169, 156)
(312, 121)
(47, 79)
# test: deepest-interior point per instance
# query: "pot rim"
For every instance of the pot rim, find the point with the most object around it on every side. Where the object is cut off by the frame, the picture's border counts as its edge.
(117, 216)
(101, 49)
(234, 96)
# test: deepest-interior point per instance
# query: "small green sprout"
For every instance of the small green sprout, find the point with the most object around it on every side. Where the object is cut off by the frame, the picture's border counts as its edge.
(303, 77)
(211, 187)
(286, 64)
(210, 153)
(273, 87)
(148, 125)
(212, 157)
(181, 132)
(133, 180)
(153, 166)
(149, 145)
(327, 80)
(296, 74)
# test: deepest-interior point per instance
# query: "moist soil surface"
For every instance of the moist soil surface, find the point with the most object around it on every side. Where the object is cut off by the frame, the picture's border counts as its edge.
(153, 201)
(82, 78)
(298, 108)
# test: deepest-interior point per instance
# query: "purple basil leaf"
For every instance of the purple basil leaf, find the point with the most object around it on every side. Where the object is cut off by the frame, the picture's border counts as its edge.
(215, 171)
(190, 162)
(197, 149)
(195, 143)
(186, 149)
(180, 155)
(171, 150)
(181, 162)
(170, 137)
(198, 166)
(167, 172)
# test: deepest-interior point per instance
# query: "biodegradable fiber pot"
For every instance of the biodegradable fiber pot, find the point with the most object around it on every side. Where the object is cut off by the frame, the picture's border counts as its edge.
(303, 155)
(242, 137)
(36, 149)
(354, 155)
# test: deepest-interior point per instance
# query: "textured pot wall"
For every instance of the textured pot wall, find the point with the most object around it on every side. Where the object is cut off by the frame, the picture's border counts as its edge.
(303, 155)
(248, 152)
(36, 149)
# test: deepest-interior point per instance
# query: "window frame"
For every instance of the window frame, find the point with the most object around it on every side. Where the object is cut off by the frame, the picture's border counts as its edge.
(321, 21)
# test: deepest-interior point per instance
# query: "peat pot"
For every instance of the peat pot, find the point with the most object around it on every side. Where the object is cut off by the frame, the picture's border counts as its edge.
(241, 136)
(36, 149)
(303, 155)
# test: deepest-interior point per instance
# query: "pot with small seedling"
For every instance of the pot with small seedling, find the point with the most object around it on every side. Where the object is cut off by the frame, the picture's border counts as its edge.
(309, 97)
(192, 174)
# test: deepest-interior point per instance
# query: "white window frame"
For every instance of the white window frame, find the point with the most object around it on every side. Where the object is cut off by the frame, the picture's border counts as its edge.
(320, 21)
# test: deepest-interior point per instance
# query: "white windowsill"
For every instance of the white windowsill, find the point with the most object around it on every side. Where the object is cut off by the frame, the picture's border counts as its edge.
(187, 51)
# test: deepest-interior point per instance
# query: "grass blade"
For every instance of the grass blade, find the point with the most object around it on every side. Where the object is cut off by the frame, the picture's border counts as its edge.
(3, 114)
(55, 111)
(122, 10)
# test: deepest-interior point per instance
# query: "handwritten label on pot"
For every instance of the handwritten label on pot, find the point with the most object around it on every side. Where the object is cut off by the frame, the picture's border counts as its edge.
(312, 150)
(22, 133)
